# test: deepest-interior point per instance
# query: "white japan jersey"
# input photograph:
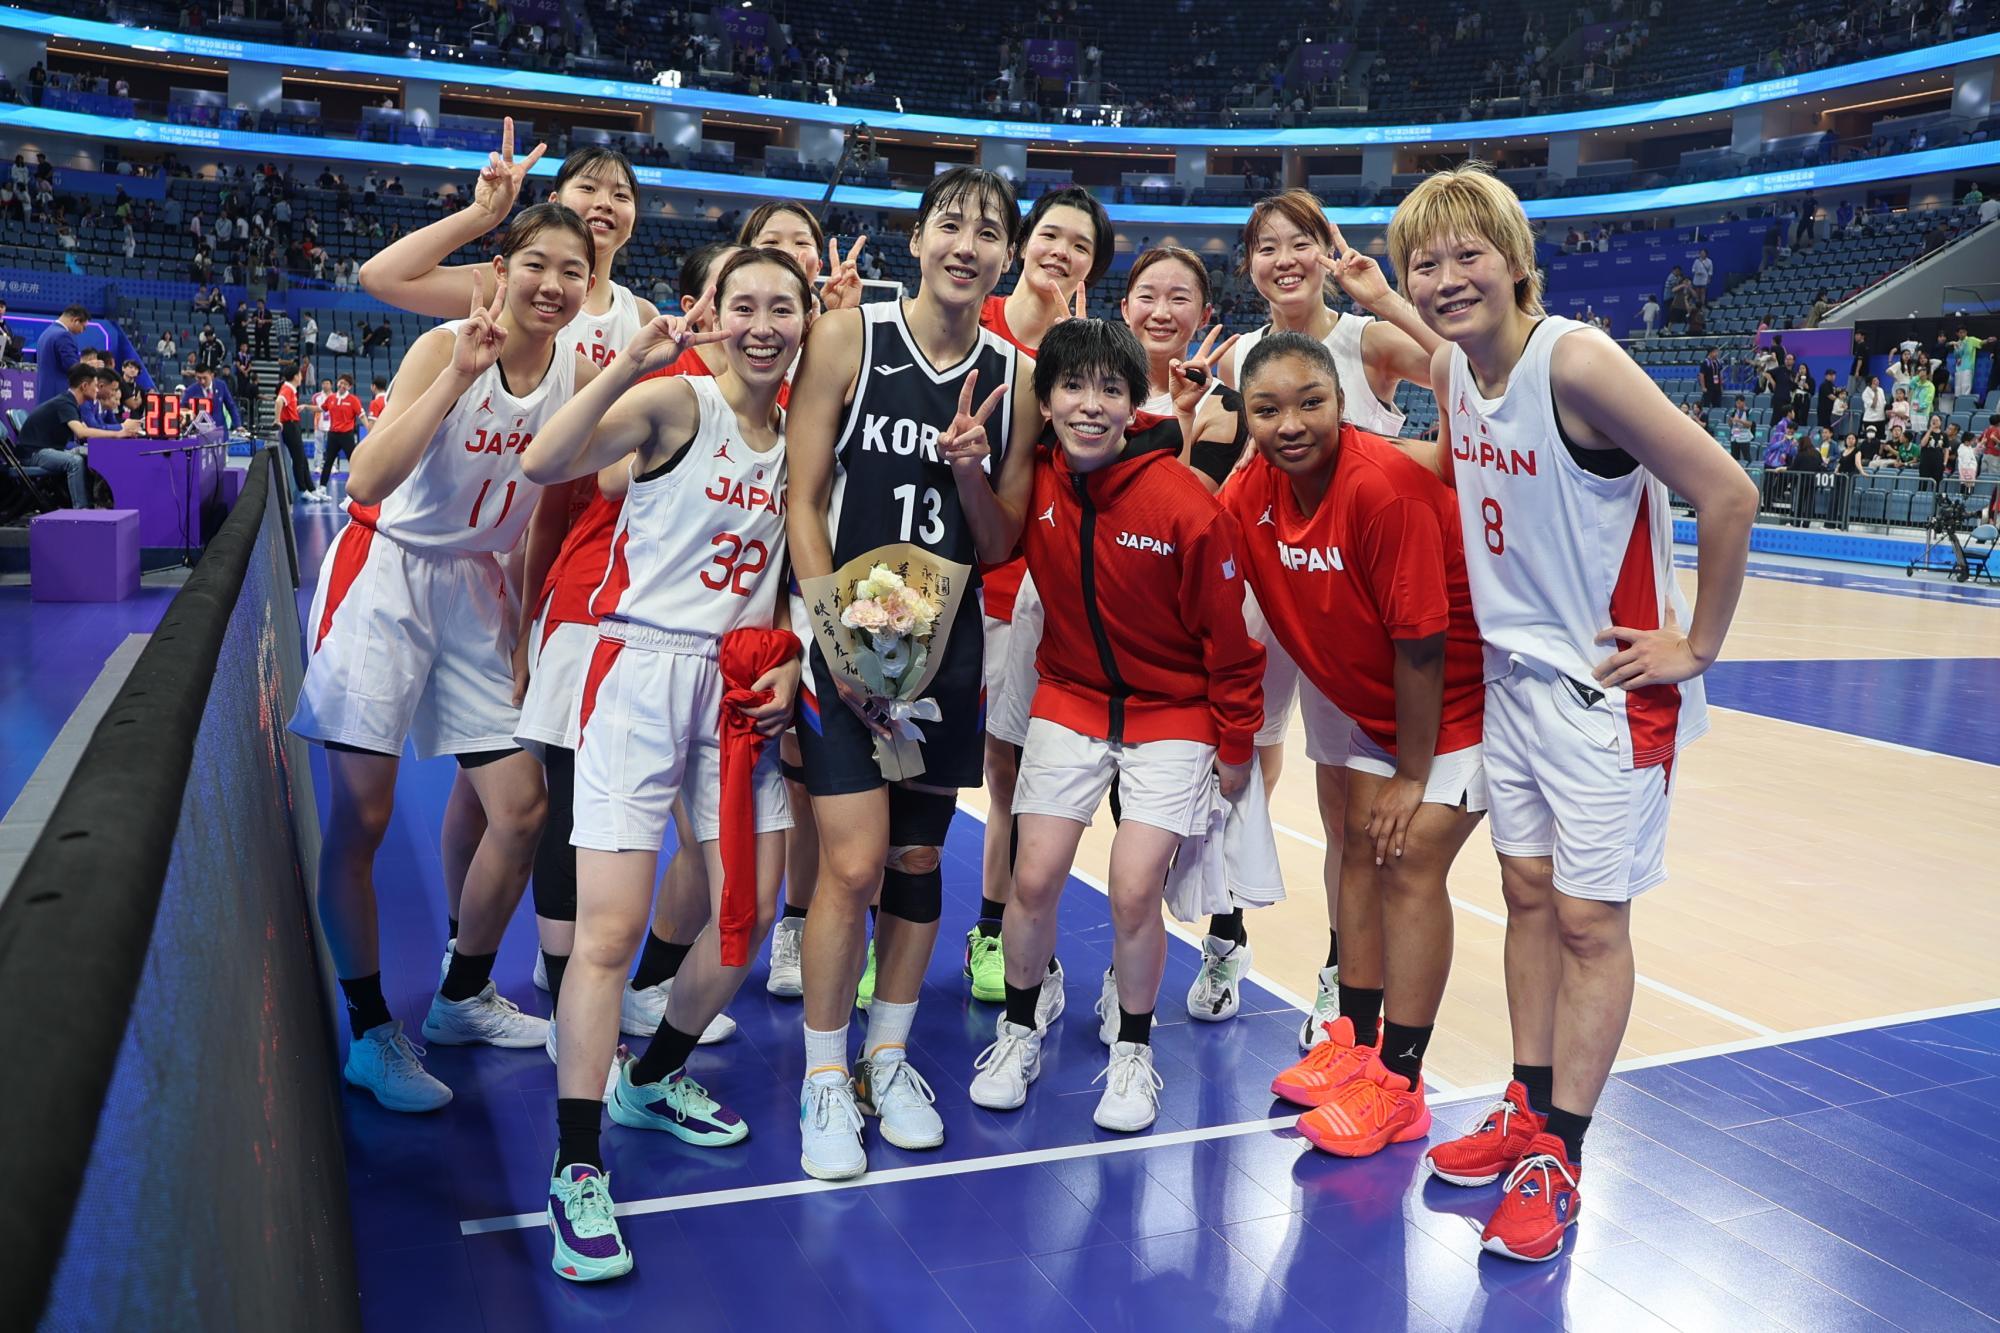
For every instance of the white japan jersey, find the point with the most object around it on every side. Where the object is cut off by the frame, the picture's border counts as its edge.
(1556, 554)
(467, 492)
(598, 338)
(1359, 405)
(700, 549)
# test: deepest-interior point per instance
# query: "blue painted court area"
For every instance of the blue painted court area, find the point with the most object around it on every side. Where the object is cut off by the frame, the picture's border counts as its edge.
(54, 652)
(1938, 704)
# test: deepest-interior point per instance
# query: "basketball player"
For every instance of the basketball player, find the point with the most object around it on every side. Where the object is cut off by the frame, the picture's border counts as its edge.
(568, 548)
(1354, 552)
(889, 445)
(1562, 452)
(791, 227)
(1066, 245)
(412, 635)
(1146, 674)
(1290, 253)
(413, 274)
(699, 554)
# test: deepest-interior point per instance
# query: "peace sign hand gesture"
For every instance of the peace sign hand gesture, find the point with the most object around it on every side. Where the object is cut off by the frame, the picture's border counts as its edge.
(499, 183)
(1358, 275)
(476, 345)
(661, 340)
(1187, 389)
(963, 444)
(1051, 308)
(843, 282)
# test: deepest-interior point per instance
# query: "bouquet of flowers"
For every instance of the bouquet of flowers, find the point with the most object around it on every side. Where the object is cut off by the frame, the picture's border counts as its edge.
(881, 622)
(898, 621)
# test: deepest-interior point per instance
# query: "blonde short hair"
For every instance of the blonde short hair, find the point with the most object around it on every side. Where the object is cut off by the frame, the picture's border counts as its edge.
(1465, 202)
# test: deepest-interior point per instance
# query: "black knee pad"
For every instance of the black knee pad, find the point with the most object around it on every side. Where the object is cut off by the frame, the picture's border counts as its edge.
(915, 896)
(482, 758)
(919, 818)
(793, 772)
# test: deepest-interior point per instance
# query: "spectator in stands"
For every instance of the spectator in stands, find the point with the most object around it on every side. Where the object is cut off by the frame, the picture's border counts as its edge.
(1802, 387)
(57, 351)
(1964, 450)
(1741, 432)
(208, 353)
(1778, 448)
(166, 349)
(1823, 401)
(1938, 237)
(128, 371)
(1899, 409)
(1923, 396)
(1783, 378)
(1989, 210)
(1702, 270)
(260, 321)
(1905, 443)
(308, 337)
(10, 342)
(51, 433)
(1680, 302)
(1850, 457)
(1989, 443)
(377, 338)
(1820, 306)
(1930, 457)
(1965, 356)
(1649, 313)
(1886, 459)
(1710, 374)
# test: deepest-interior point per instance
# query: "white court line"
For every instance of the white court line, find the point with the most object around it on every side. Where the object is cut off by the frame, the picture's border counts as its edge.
(1879, 744)
(788, 1189)
(1485, 914)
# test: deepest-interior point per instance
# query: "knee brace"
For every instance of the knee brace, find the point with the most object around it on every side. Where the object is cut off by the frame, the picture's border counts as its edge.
(916, 896)
(919, 818)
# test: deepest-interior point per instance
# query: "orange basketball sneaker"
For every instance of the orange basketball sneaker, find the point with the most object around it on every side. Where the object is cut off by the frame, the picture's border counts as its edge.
(1484, 1155)
(1540, 1204)
(1316, 1077)
(1368, 1112)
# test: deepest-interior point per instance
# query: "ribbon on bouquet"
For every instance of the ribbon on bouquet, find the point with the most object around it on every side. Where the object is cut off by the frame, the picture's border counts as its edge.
(904, 714)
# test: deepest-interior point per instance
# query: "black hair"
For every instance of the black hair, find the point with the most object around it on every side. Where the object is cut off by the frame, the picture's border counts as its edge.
(75, 312)
(287, 370)
(1104, 243)
(977, 183)
(589, 161)
(82, 373)
(532, 221)
(106, 375)
(750, 256)
(1090, 347)
(696, 265)
(377, 382)
(1274, 345)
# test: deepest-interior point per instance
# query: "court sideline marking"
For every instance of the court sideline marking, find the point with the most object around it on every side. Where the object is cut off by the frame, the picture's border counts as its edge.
(1139, 1143)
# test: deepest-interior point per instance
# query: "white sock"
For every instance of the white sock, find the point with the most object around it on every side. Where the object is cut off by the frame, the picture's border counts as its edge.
(889, 1027)
(826, 1053)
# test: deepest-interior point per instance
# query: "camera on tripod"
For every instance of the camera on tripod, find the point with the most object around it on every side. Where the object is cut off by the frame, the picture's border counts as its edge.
(1949, 517)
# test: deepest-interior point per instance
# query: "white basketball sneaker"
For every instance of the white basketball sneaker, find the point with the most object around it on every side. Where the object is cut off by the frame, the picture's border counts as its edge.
(640, 1013)
(1217, 992)
(384, 1062)
(1107, 1010)
(886, 1086)
(1326, 1008)
(787, 975)
(1131, 1099)
(1006, 1068)
(488, 1017)
(1050, 1003)
(830, 1129)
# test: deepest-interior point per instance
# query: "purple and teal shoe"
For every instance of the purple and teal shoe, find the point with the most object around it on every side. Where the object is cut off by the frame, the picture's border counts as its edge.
(588, 1246)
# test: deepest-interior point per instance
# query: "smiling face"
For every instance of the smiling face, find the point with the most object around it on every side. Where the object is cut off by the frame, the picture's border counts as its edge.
(1062, 245)
(1165, 307)
(763, 310)
(1293, 415)
(604, 199)
(1090, 410)
(1284, 264)
(962, 249)
(788, 231)
(546, 279)
(1462, 287)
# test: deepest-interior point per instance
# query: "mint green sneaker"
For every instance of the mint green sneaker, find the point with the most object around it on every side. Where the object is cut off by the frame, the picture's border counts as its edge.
(864, 994)
(588, 1246)
(985, 966)
(676, 1104)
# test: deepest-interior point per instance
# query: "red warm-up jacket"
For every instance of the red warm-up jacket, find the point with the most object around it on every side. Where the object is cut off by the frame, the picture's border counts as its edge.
(1144, 639)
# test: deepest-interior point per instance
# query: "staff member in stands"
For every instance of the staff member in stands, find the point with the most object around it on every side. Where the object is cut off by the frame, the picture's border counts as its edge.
(56, 351)
(52, 431)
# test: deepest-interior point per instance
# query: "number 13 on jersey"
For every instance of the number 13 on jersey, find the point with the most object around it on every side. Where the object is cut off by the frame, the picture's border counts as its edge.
(932, 530)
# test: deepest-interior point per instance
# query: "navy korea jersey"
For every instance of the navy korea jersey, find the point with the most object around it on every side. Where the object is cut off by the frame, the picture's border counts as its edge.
(890, 483)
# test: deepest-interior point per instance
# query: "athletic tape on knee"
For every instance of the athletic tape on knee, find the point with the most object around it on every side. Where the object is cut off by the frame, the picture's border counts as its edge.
(919, 818)
(916, 896)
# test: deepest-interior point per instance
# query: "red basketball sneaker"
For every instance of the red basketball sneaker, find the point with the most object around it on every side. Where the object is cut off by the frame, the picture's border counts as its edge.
(1316, 1077)
(1484, 1155)
(1540, 1204)
(1368, 1113)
